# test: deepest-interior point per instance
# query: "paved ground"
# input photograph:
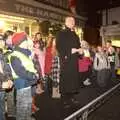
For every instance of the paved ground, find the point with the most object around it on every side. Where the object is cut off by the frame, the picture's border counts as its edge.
(109, 111)
(54, 109)
(51, 109)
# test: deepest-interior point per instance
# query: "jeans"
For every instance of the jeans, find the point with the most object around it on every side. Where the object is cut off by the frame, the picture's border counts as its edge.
(113, 72)
(24, 103)
(2, 105)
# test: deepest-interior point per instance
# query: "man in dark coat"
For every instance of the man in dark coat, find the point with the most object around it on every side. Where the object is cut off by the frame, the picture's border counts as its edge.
(68, 46)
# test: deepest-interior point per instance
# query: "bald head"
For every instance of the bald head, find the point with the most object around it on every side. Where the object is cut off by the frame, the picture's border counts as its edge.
(70, 22)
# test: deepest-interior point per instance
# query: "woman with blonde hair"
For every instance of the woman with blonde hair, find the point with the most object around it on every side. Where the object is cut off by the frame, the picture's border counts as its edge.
(85, 63)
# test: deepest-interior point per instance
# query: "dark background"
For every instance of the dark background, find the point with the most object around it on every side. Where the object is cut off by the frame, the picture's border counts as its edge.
(92, 9)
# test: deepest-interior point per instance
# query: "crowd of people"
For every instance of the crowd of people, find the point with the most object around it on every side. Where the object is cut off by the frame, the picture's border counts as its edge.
(59, 66)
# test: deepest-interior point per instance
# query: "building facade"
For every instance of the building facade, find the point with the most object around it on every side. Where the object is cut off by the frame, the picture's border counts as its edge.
(26, 15)
(110, 29)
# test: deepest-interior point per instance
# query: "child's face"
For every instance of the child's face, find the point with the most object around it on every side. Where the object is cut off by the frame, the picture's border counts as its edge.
(108, 44)
(9, 40)
(99, 48)
(111, 50)
(118, 49)
(37, 45)
(38, 36)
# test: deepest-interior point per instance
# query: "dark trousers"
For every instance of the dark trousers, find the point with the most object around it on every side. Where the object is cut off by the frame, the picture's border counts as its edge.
(113, 73)
(47, 85)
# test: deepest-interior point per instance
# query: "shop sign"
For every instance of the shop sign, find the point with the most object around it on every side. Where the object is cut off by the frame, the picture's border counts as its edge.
(29, 10)
(25, 9)
(37, 12)
(40, 12)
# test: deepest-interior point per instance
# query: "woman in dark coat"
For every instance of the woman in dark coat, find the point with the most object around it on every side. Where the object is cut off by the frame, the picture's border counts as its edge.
(67, 44)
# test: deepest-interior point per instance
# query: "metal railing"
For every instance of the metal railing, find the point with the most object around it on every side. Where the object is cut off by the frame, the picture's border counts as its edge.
(82, 114)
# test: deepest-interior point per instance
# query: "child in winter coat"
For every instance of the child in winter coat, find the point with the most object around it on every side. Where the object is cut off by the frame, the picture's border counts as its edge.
(85, 63)
(24, 74)
(114, 61)
(102, 66)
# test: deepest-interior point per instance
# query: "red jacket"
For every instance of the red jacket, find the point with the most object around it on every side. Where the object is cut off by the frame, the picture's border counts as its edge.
(48, 60)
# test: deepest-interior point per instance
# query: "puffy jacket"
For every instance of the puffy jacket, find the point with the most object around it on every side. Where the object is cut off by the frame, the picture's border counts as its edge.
(22, 67)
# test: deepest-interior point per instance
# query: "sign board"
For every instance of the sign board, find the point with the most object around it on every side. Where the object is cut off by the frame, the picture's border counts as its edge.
(29, 10)
(21, 8)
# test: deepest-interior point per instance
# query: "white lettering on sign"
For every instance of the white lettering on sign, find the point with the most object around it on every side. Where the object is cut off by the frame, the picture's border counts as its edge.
(31, 10)
(39, 12)
(24, 9)
(46, 14)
